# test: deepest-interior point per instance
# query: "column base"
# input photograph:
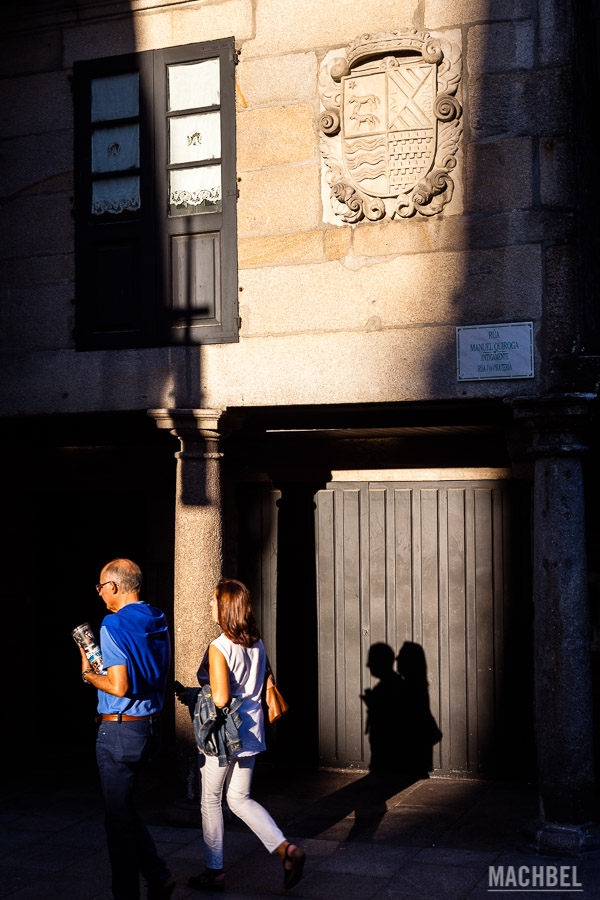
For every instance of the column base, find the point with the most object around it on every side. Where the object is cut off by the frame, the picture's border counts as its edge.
(551, 839)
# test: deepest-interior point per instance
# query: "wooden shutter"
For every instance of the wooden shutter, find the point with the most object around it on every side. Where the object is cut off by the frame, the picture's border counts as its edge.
(198, 253)
(115, 262)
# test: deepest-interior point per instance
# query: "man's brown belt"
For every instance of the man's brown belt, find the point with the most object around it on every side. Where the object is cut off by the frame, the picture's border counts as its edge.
(123, 717)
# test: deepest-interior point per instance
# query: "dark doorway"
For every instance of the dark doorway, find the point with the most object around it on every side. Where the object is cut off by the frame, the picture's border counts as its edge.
(277, 561)
(443, 564)
(81, 504)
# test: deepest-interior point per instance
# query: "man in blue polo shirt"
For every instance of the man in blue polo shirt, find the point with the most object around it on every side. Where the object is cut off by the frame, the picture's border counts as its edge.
(136, 654)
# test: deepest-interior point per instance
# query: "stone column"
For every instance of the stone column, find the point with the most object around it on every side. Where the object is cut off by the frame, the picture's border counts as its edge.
(198, 553)
(562, 662)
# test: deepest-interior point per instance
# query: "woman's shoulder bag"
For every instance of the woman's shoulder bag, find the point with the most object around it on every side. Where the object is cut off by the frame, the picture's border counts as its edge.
(276, 705)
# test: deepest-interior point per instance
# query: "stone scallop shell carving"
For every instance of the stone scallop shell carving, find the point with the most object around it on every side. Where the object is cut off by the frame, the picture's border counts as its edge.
(390, 125)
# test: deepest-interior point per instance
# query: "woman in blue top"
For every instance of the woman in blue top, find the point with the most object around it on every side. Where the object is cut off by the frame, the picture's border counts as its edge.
(236, 668)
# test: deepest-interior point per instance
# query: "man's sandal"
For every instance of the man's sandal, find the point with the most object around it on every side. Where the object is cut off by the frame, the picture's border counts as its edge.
(293, 865)
(209, 880)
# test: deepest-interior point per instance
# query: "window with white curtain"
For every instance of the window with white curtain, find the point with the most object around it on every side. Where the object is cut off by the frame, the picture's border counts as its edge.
(156, 251)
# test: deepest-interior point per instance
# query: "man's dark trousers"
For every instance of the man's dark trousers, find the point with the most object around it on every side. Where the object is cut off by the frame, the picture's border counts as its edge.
(121, 750)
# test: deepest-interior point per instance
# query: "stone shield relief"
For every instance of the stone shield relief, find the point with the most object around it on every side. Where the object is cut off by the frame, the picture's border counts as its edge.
(390, 125)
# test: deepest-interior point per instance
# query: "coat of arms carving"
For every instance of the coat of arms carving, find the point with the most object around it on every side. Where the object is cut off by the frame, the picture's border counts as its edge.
(391, 124)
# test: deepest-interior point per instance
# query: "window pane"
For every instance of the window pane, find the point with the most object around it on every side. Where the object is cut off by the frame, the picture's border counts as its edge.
(115, 149)
(115, 97)
(195, 270)
(194, 85)
(115, 195)
(192, 138)
(193, 191)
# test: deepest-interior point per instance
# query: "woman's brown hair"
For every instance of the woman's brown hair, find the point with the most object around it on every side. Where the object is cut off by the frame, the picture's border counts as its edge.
(235, 613)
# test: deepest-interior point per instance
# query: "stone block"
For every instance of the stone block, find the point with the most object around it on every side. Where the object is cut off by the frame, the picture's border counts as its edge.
(499, 175)
(35, 104)
(387, 366)
(39, 226)
(442, 13)
(462, 288)
(29, 163)
(418, 235)
(390, 238)
(555, 23)
(561, 308)
(152, 30)
(24, 54)
(100, 381)
(337, 242)
(500, 47)
(281, 79)
(97, 39)
(528, 226)
(557, 172)
(56, 269)
(521, 103)
(275, 136)
(519, 226)
(283, 199)
(37, 317)
(209, 21)
(311, 24)
(302, 246)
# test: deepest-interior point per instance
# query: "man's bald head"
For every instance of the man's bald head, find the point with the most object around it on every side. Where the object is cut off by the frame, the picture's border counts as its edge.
(126, 573)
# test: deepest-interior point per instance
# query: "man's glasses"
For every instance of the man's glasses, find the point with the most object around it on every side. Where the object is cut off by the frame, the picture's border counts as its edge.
(100, 586)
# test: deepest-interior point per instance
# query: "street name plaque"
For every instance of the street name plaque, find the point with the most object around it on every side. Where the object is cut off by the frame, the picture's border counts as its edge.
(485, 352)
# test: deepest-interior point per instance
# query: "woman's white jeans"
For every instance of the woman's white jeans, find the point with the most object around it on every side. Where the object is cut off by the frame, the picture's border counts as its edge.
(237, 774)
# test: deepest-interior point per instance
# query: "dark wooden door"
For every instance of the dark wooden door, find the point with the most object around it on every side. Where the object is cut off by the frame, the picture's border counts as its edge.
(443, 565)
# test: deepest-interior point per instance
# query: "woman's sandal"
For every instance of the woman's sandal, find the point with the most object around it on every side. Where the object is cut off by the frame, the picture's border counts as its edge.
(209, 880)
(293, 865)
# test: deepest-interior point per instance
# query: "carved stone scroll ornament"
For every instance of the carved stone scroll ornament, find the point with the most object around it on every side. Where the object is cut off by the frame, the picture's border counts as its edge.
(391, 124)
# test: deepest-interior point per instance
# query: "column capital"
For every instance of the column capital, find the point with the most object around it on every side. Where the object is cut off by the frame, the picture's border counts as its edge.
(554, 425)
(199, 430)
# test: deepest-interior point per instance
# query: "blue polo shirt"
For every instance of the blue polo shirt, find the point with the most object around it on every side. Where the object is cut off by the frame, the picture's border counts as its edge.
(136, 636)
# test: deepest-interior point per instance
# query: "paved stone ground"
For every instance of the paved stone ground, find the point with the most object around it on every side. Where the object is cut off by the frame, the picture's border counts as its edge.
(365, 838)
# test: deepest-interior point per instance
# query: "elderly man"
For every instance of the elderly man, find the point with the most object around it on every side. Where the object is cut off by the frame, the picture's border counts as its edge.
(136, 654)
